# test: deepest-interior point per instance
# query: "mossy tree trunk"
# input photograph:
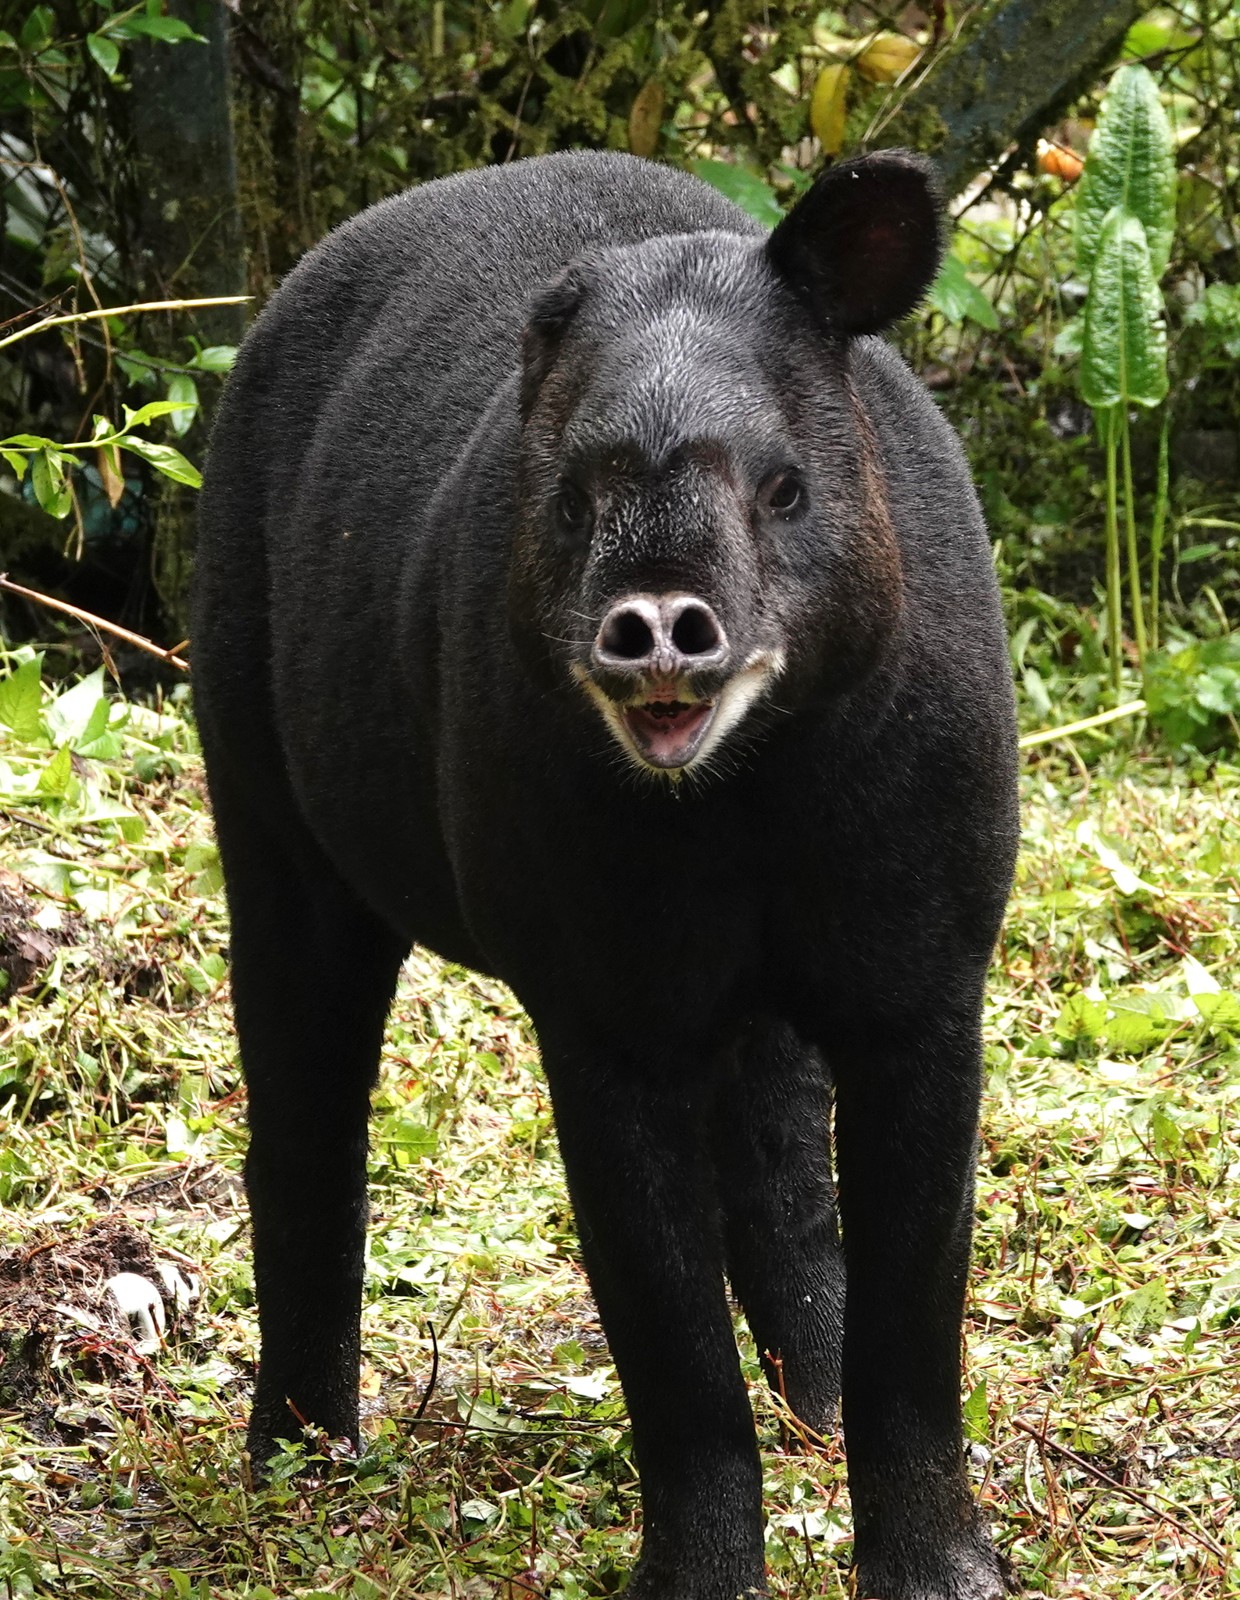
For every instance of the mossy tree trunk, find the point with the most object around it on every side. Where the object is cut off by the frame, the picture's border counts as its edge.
(1008, 80)
(191, 237)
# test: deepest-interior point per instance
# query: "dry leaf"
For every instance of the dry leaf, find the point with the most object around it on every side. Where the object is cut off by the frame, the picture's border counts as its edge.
(646, 118)
(887, 57)
(109, 475)
(828, 108)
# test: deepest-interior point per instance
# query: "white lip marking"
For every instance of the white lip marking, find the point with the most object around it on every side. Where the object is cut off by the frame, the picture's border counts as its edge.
(733, 703)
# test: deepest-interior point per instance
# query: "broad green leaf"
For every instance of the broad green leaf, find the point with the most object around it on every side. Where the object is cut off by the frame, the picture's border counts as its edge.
(1131, 163)
(1153, 35)
(164, 459)
(75, 714)
(215, 358)
(1081, 1017)
(957, 297)
(744, 188)
(51, 486)
(1147, 1308)
(16, 461)
(1124, 351)
(38, 29)
(28, 441)
(104, 52)
(21, 698)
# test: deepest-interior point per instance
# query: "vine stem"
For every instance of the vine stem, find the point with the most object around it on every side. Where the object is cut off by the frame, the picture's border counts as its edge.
(1134, 563)
(1110, 425)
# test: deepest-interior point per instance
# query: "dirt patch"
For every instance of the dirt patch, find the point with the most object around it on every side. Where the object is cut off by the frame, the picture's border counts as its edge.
(26, 948)
(59, 1317)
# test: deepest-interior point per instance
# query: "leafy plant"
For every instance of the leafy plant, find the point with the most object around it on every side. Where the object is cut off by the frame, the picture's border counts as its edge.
(1124, 226)
(51, 464)
(1192, 691)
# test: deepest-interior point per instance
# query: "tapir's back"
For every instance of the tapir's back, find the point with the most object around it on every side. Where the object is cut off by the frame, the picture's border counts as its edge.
(406, 318)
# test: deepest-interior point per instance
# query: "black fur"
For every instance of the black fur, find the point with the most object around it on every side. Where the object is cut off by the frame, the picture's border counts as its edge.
(477, 426)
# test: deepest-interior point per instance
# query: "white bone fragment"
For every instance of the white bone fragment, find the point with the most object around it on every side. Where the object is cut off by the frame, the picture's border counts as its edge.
(140, 1301)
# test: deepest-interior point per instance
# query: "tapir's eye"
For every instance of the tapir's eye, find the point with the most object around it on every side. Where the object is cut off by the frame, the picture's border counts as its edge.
(573, 511)
(785, 493)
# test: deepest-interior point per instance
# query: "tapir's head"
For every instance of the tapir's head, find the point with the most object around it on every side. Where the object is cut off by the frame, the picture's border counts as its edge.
(704, 528)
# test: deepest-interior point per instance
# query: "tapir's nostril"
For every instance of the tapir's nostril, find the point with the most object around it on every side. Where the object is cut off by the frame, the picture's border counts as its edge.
(627, 635)
(696, 632)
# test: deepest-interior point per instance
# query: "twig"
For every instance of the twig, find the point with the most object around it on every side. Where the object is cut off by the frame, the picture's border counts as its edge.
(1130, 708)
(123, 311)
(1120, 1488)
(170, 656)
(434, 1377)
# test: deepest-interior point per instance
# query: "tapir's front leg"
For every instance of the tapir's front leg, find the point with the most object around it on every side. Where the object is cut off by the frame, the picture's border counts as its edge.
(634, 1142)
(907, 1092)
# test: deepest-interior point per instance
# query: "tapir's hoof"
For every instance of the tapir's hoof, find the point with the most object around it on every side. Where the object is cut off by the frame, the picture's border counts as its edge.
(968, 1570)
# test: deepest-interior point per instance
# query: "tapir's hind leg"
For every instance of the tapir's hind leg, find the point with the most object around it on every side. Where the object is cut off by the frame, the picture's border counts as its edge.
(313, 971)
(773, 1157)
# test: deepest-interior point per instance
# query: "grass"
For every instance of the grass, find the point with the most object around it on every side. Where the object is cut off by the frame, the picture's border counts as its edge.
(1103, 1404)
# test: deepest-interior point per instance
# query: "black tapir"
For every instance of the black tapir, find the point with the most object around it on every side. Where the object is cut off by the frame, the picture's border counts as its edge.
(584, 594)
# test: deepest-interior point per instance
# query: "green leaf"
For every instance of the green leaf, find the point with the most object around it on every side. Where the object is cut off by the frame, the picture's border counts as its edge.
(215, 358)
(1124, 351)
(16, 461)
(20, 699)
(75, 714)
(38, 29)
(104, 53)
(976, 1415)
(1151, 36)
(51, 486)
(1147, 1308)
(1221, 1011)
(57, 775)
(183, 389)
(164, 459)
(1218, 312)
(1070, 337)
(744, 188)
(170, 29)
(1131, 163)
(1081, 1017)
(153, 409)
(957, 297)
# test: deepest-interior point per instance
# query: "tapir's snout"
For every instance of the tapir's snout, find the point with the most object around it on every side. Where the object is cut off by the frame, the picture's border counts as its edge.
(658, 662)
(660, 636)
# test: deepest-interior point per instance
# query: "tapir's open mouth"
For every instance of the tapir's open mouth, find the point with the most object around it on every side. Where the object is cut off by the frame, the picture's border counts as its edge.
(666, 732)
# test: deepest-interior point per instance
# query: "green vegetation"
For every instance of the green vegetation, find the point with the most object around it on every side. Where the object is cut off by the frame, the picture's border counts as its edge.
(1101, 1373)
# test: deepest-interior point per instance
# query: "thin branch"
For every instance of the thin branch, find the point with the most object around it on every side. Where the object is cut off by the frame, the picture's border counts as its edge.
(1197, 1534)
(149, 645)
(123, 311)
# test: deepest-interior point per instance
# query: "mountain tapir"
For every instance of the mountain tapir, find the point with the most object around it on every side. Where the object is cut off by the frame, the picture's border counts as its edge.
(585, 594)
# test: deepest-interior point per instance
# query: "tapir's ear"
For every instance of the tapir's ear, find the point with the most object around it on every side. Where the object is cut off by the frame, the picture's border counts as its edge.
(551, 310)
(864, 245)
